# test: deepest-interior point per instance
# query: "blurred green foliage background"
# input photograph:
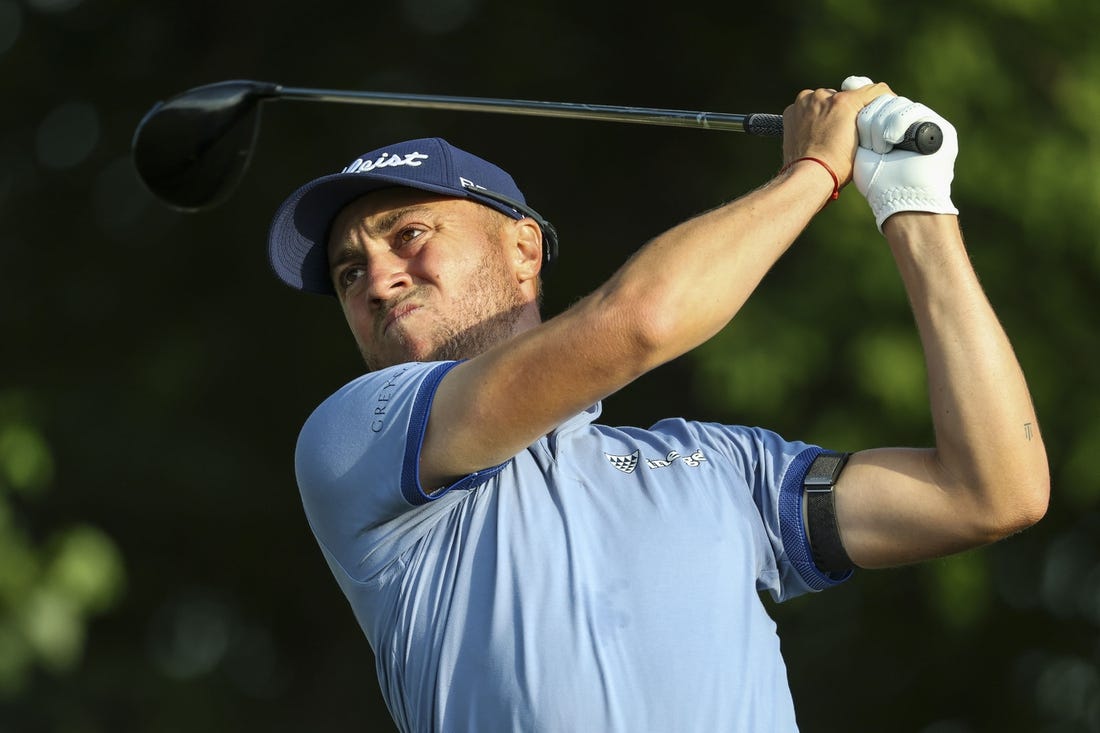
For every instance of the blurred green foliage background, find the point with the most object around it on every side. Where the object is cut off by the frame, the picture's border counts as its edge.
(156, 572)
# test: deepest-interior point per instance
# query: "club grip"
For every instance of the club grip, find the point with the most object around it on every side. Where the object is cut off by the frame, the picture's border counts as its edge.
(921, 137)
(765, 125)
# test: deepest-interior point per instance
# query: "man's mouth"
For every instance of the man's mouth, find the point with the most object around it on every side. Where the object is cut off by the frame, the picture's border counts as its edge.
(396, 314)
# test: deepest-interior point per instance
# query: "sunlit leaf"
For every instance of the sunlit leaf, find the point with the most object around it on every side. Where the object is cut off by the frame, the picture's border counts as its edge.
(53, 626)
(26, 464)
(87, 568)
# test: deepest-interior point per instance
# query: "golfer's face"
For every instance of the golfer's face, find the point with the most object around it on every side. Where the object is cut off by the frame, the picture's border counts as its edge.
(415, 272)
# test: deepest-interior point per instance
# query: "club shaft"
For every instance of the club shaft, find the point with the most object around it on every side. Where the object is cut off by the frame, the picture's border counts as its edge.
(610, 113)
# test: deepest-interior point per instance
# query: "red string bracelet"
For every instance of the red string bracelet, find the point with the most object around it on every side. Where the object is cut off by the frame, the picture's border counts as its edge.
(823, 164)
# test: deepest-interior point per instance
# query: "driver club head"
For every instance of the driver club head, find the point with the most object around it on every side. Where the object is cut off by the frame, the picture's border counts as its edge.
(191, 150)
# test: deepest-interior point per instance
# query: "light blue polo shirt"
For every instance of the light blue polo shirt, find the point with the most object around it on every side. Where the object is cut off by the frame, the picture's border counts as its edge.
(604, 579)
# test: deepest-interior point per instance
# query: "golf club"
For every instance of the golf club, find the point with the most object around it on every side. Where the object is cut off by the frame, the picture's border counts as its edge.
(191, 150)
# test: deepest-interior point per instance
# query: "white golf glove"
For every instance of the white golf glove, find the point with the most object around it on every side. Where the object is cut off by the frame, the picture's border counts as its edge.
(895, 181)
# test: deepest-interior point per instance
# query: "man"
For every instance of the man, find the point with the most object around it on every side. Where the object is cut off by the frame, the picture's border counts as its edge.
(517, 566)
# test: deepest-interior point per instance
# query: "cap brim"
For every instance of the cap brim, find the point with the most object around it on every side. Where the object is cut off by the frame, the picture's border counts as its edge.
(298, 239)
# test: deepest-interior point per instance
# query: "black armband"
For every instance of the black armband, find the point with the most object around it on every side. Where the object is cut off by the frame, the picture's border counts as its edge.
(821, 525)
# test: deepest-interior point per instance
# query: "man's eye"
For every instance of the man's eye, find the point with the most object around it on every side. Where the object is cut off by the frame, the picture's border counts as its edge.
(408, 234)
(350, 275)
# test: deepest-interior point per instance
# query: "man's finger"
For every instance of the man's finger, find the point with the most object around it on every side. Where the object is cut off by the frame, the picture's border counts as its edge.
(869, 92)
(869, 124)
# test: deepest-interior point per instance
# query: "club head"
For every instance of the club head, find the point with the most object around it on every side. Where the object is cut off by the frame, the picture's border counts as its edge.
(192, 150)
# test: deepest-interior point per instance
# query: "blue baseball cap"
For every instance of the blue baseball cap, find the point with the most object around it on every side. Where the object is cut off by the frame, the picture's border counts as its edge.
(298, 239)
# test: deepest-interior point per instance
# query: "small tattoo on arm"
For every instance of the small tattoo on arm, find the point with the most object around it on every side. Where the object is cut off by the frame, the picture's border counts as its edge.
(1027, 430)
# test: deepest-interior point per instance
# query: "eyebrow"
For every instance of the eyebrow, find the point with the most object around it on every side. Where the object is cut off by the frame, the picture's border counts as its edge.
(381, 226)
(387, 222)
(344, 254)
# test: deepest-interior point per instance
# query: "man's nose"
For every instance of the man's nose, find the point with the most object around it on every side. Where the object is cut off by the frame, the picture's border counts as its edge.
(388, 276)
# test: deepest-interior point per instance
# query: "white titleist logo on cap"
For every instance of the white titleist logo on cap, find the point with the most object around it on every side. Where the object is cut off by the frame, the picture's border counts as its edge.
(385, 160)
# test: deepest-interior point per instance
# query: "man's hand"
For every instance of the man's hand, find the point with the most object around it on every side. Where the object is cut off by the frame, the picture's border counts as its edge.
(895, 181)
(821, 124)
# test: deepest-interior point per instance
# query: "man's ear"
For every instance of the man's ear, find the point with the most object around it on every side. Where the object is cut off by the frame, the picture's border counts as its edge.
(527, 249)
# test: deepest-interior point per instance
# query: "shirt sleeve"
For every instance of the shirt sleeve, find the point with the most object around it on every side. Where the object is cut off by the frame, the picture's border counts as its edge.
(778, 468)
(357, 465)
(792, 527)
(772, 469)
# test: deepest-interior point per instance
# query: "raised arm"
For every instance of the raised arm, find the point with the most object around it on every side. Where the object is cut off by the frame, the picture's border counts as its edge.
(987, 476)
(672, 295)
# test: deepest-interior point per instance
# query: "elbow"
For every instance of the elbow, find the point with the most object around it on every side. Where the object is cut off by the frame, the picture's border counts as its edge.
(657, 318)
(647, 332)
(653, 332)
(1016, 519)
(1032, 495)
(1001, 492)
(665, 329)
(1035, 502)
(1018, 507)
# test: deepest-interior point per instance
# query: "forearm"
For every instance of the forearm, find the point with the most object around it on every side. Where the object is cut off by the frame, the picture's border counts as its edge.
(988, 442)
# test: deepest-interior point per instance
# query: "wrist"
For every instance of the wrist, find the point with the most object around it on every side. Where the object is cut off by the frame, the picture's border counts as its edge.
(910, 225)
(824, 171)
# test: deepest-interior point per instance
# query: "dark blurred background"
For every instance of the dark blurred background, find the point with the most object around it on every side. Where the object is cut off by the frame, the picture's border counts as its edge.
(156, 571)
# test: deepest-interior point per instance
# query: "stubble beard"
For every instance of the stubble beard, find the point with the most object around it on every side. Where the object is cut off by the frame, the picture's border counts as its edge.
(486, 316)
